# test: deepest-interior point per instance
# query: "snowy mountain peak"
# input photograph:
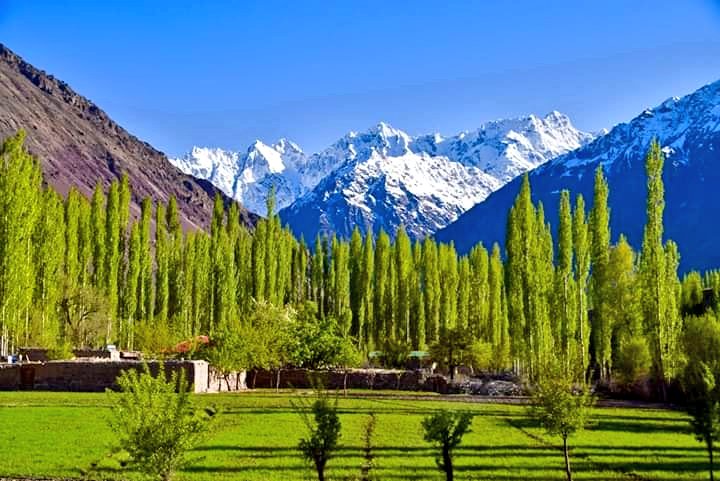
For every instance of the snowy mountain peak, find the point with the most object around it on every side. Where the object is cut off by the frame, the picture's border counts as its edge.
(385, 176)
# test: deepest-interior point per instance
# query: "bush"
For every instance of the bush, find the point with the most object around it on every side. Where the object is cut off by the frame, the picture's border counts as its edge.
(155, 339)
(155, 421)
(395, 354)
(633, 360)
(62, 351)
(446, 429)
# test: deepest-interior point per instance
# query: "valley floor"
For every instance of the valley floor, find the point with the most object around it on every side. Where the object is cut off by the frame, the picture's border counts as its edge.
(62, 435)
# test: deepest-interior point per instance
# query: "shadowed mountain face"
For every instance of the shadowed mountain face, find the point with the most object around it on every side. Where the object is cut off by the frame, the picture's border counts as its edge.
(79, 145)
(688, 129)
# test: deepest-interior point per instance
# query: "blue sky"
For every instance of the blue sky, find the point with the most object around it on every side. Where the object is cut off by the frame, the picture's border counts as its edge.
(182, 73)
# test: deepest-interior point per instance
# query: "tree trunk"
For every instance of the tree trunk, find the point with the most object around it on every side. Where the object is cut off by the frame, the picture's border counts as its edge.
(448, 464)
(345, 382)
(255, 373)
(277, 384)
(567, 459)
(320, 470)
(710, 455)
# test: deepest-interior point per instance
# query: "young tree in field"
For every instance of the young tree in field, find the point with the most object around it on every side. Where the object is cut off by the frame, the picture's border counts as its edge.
(323, 424)
(445, 429)
(155, 420)
(699, 380)
(559, 408)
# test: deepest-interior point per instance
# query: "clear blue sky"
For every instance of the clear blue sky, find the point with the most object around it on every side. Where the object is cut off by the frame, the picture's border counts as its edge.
(221, 73)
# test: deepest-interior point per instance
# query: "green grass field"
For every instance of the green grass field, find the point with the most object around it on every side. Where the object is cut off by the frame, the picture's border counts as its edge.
(256, 434)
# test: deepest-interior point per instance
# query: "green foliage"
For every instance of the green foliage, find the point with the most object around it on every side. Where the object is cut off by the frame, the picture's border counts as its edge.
(323, 425)
(395, 354)
(633, 360)
(155, 420)
(445, 429)
(62, 351)
(456, 348)
(701, 342)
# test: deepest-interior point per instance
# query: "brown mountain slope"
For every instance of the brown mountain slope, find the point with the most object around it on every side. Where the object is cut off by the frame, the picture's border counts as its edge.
(78, 144)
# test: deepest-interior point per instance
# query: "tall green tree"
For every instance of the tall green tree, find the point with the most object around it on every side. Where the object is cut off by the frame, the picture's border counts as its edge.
(602, 327)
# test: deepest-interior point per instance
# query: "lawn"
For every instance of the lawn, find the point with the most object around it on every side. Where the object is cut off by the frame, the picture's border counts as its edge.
(256, 434)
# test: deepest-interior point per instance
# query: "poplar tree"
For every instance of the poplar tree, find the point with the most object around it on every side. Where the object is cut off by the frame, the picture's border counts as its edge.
(403, 269)
(356, 283)
(565, 312)
(19, 186)
(581, 244)
(112, 258)
(600, 256)
(382, 267)
(132, 283)
(49, 252)
(146, 297)
(162, 280)
(366, 288)
(97, 219)
(654, 271)
(431, 283)
(497, 311)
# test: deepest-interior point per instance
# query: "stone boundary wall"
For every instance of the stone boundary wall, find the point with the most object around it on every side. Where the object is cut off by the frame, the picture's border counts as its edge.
(90, 376)
(351, 379)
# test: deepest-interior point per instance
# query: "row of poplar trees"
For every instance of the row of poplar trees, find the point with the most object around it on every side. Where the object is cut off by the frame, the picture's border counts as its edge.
(575, 294)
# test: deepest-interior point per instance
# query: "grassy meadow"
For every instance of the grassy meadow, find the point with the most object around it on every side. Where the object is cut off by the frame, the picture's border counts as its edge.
(255, 436)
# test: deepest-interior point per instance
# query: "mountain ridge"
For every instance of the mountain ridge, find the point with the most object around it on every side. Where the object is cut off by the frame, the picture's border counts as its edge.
(688, 129)
(78, 144)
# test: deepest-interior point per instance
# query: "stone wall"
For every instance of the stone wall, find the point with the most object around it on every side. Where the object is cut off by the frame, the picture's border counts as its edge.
(90, 376)
(339, 379)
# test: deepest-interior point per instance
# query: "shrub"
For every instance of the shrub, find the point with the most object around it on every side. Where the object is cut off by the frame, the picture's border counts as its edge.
(155, 420)
(62, 351)
(446, 429)
(395, 354)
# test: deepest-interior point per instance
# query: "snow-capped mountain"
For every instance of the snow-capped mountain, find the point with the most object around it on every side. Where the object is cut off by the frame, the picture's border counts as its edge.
(386, 178)
(248, 176)
(383, 177)
(688, 128)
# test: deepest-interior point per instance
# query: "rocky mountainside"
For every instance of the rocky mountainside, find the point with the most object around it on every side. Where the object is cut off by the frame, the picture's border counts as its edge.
(383, 177)
(386, 178)
(78, 144)
(688, 128)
